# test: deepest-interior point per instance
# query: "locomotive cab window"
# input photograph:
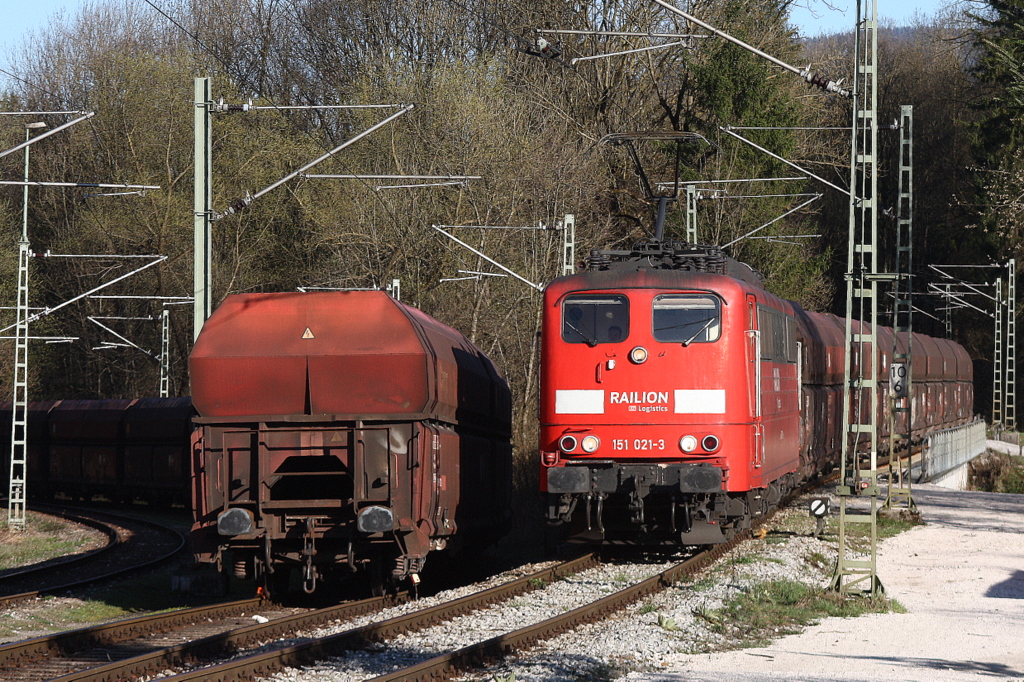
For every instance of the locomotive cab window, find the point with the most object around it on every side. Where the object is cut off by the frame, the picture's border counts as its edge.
(595, 318)
(687, 318)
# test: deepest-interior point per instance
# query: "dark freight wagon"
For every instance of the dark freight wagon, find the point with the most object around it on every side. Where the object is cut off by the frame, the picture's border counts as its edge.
(342, 431)
(114, 450)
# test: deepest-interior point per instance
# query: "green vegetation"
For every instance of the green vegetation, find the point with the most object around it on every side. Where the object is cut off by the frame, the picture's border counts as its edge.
(667, 623)
(48, 537)
(890, 527)
(753, 558)
(996, 472)
(530, 127)
(817, 559)
(147, 593)
(1013, 480)
(782, 607)
(45, 538)
(648, 607)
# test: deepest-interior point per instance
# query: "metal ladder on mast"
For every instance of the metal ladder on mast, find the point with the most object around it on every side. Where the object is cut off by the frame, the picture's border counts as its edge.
(1010, 361)
(854, 572)
(998, 378)
(19, 422)
(901, 420)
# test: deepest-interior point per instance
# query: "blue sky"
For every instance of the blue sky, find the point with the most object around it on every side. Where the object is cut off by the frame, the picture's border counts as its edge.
(18, 17)
(818, 16)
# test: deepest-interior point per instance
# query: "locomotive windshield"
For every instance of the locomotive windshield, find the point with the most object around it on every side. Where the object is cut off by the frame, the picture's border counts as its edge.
(595, 318)
(687, 318)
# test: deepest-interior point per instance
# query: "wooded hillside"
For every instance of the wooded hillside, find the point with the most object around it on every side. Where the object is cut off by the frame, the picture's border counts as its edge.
(486, 104)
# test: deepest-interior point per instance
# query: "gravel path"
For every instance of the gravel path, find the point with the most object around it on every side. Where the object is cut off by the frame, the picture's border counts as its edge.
(961, 579)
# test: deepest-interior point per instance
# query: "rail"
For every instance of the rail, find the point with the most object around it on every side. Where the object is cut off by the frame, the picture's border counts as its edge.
(261, 664)
(121, 556)
(63, 643)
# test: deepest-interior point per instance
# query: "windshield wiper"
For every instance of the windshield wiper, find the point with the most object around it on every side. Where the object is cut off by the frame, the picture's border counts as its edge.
(699, 331)
(682, 325)
(590, 342)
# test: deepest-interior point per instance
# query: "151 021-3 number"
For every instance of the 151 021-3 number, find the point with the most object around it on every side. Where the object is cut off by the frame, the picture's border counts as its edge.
(638, 444)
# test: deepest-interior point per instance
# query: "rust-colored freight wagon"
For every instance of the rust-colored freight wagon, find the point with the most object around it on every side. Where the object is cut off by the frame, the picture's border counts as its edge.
(341, 431)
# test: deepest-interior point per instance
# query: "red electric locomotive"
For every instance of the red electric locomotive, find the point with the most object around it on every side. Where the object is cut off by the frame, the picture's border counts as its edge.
(680, 399)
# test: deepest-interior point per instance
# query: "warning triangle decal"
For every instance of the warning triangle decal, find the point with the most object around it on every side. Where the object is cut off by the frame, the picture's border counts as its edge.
(308, 334)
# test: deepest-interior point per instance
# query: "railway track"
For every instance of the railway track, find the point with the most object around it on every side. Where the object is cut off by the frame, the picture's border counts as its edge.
(289, 655)
(192, 648)
(39, 659)
(465, 658)
(446, 665)
(134, 544)
(48, 657)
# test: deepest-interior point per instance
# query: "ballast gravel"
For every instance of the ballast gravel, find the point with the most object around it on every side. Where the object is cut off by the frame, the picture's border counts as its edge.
(640, 637)
(648, 634)
(959, 577)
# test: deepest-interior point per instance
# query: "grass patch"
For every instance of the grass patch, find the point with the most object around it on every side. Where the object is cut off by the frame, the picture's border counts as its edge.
(667, 623)
(858, 535)
(648, 607)
(783, 607)
(1013, 481)
(44, 538)
(130, 596)
(136, 594)
(817, 559)
(145, 593)
(754, 559)
(890, 527)
(791, 521)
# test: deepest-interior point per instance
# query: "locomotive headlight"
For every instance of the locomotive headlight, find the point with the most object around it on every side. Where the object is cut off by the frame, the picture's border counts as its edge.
(591, 443)
(710, 443)
(567, 443)
(688, 443)
(638, 355)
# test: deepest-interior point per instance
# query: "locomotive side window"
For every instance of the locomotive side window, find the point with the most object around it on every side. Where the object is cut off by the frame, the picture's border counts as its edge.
(778, 335)
(595, 318)
(792, 343)
(687, 318)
